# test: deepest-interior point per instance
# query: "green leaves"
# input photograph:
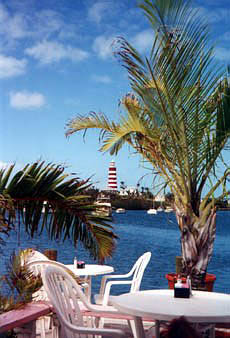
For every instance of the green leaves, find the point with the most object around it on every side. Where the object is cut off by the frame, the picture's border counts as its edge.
(20, 282)
(223, 111)
(45, 197)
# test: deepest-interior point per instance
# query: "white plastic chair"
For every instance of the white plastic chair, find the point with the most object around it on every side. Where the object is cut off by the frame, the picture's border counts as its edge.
(39, 265)
(64, 292)
(45, 326)
(136, 273)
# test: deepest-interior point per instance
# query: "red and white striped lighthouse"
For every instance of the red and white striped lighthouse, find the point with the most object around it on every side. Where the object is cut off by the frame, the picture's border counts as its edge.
(112, 177)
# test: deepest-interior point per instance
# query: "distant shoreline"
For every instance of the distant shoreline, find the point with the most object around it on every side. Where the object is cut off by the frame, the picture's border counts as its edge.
(144, 204)
(223, 209)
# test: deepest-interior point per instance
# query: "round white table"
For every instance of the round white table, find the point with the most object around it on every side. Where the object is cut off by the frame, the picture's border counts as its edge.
(90, 270)
(201, 307)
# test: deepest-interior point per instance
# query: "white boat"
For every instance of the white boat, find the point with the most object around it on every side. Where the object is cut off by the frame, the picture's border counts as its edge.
(152, 211)
(120, 211)
(160, 209)
(104, 207)
(169, 210)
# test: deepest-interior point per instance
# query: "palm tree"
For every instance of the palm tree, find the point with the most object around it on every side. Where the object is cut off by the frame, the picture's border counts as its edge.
(43, 196)
(178, 119)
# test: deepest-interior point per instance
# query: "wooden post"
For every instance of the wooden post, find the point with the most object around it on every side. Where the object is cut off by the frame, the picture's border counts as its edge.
(178, 264)
(51, 254)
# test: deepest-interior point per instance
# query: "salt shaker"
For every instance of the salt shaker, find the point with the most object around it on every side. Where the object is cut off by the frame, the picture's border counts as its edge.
(75, 262)
(178, 283)
(189, 284)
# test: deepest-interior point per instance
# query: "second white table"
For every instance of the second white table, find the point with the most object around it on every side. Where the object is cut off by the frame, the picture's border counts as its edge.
(89, 271)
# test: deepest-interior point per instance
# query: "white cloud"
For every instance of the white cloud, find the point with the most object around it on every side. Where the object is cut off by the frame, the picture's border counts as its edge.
(48, 52)
(26, 100)
(143, 41)
(222, 54)
(18, 24)
(101, 78)
(14, 27)
(103, 46)
(96, 12)
(10, 66)
(47, 23)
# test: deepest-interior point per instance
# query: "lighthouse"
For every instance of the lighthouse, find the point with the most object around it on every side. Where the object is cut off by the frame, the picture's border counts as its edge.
(112, 177)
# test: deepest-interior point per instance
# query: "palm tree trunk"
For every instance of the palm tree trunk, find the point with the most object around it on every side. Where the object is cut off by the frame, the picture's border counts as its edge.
(197, 240)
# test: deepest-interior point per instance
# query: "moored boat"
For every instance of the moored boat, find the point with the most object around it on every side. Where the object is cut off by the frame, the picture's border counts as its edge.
(160, 209)
(152, 211)
(169, 210)
(120, 211)
(104, 207)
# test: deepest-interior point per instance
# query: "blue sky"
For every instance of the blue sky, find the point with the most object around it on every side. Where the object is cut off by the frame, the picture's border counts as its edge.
(56, 61)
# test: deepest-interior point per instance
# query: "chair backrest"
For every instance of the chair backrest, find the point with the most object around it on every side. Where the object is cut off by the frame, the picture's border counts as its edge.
(64, 292)
(38, 266)
(138, 270)
(29, 255)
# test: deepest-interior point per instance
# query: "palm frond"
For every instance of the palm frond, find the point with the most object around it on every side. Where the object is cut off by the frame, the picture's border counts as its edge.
(44, 197)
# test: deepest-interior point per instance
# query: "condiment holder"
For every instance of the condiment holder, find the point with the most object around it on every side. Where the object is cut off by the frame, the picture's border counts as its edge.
(80, 264)
(182, 290)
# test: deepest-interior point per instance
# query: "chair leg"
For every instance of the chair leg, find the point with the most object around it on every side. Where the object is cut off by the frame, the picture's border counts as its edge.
(99, 322)
(139, 329)
(132, 327)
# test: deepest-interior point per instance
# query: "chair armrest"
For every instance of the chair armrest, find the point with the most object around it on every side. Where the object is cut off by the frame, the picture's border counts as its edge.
(106, 277)
(108, 287)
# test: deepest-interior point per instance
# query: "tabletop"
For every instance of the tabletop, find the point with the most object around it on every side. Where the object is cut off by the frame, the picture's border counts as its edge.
(91, 269)
(201, 307)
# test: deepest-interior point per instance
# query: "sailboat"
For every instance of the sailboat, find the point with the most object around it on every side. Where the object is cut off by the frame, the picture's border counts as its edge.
(152, 211)
(120, 211)
(168, 209)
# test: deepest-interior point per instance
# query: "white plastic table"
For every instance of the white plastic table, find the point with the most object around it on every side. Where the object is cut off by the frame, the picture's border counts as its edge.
(201, 307)
(89, 271)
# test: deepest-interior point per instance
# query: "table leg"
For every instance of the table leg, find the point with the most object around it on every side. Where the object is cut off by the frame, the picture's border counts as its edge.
(212, 331)
(88, 285)
(89, 278)
(157, 329)
(140, 333)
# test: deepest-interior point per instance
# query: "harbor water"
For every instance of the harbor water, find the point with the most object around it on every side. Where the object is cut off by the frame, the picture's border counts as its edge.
(138, 232)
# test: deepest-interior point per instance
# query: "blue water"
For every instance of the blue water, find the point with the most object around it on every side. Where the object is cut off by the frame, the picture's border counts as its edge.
(139, 232)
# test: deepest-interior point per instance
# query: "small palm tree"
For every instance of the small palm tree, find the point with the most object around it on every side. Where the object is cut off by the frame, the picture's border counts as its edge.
(5, 226)
(43, 196)
(178, 119)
